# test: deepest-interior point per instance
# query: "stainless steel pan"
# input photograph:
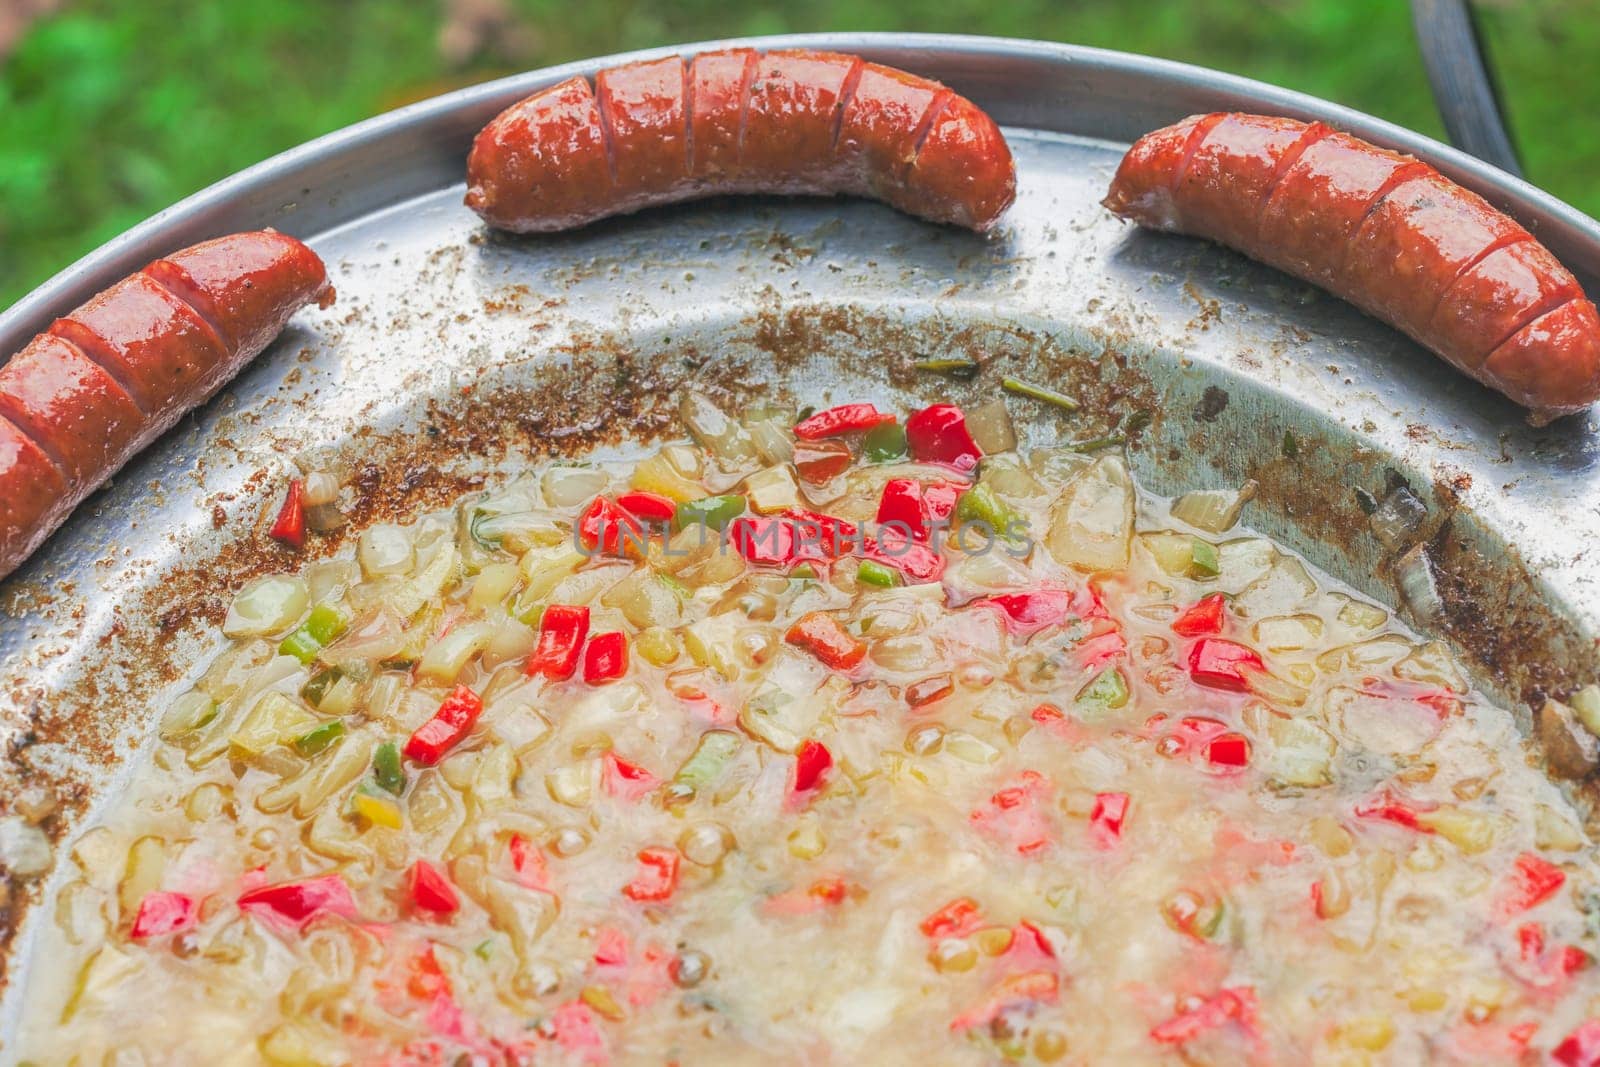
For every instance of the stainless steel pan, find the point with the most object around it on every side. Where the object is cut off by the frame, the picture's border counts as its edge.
(453, 355)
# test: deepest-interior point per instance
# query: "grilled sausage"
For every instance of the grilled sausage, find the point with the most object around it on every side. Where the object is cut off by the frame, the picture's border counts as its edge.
(1384, 231)
(804, 123)
(109, 378)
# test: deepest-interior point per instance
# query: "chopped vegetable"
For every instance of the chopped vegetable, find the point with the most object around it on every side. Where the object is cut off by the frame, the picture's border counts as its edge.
(606, 658)
(301, 901)
(846, 418)
(1201, 618)
(811, 766)
(706, 763)
(884, 443)
(1228, 750)
(1235, 1005)
(606, 528)
(938, 434)
(322, 628)
(429, 890)
(1038, 392)
(378, 809)
(874, 573)
(162, 913)
(901, 503)
(447, 729)
(290, 526)
(819, 462)
(387, 770)
(1533, 881)
(657, 878)
(958, 918)
(651, 507)
(562, 629)
(821, 635)
(1223, 664)
(979, 504)
(314, 741)
(955, 366)
(715, 512)
(1110, 811)
(625, 779)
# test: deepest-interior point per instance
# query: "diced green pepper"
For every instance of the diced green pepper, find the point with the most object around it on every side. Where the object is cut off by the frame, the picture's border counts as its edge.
(321, 629)
(884, 443)
(274, 720)
(874, 573)
(1203, 562)
(1108, 690)
(484, 949)
(979, 504)
(713, 511)
(805, 572)
(705, 764)
(309, 744)
(317, 688)
(386, 769)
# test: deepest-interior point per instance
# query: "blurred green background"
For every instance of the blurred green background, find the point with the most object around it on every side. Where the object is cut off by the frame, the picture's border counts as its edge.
(110, 111)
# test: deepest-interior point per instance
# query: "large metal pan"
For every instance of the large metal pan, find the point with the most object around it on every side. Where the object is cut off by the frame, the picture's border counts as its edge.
(454, 354)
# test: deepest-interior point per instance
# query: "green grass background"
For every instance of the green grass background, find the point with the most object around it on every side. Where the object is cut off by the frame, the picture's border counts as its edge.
(110, 111)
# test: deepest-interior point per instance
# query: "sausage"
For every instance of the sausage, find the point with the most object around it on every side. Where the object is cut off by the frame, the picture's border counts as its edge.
(1384, 231)
(110, 377)
(739, 121)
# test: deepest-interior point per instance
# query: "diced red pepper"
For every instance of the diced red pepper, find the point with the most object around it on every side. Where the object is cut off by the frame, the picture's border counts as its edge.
(657, 877)
(956, 919)
(823, 893)
(940, 498)
(300, 901)
(1106, 818)
(1533, 881)
(626, 780)
(1034, 987)
(161, 913)
(1014, 815)
(902, 503)
(606, 658)
(819, 536)
(606, 528)
(925, 691)
(290, 526)
(573, 1027)
(765, 540)
(918, 563)
(429, 890)
(1386, 806)
(1228, 750)
(821, 635)
(651, 507)
(845, 418)
(1203, 617)
(1026, 614)
(1228, 1005)
(1223, 664)
(811, 765)
(1581, 1048)
(562, 630)
(1318, 903)
(610, 947)
(818, 462)
(448, 728)
(939, 434)
(528, 863)
(1029, 949)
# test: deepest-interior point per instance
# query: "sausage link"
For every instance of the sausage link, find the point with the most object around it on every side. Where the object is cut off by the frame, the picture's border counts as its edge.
(1384, 231)
(788, 122)
(111, 376)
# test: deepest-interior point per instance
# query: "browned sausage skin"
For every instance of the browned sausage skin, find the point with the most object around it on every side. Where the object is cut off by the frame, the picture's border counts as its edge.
(117, 372)
(1386, 232)
(740, 121)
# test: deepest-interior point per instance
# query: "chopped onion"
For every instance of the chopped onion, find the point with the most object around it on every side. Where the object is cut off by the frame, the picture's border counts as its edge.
(1398, 520)
(1586, 706)
(448, 656)
(1091, 526)
(772, 491)
(1214, 510)
(429, 583)
(1414, 574)
(991, 428)
(266, 606)
(385, 549)
(381, 637)
(772, 439)
(320, 488)
(518, 531)
(710, 425)
(511, 640)
(567, 487)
